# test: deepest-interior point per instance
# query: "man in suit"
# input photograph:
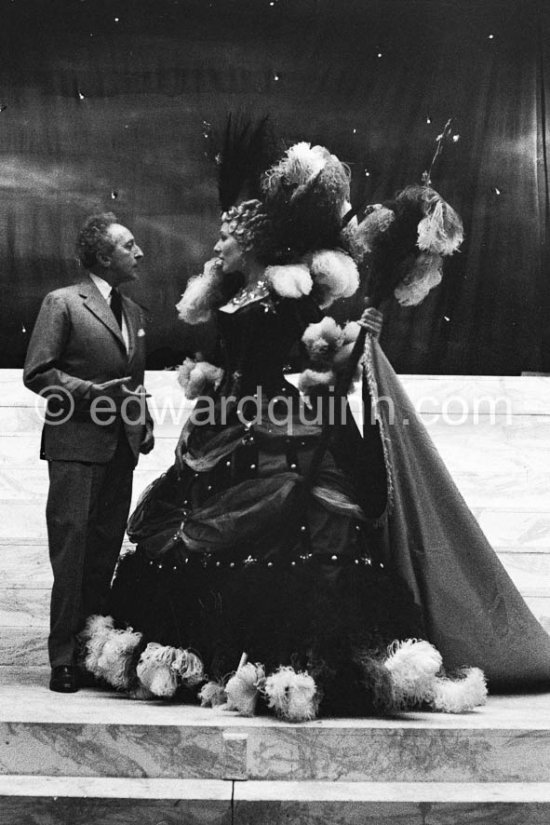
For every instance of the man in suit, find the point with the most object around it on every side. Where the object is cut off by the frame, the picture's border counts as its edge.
(87, 357)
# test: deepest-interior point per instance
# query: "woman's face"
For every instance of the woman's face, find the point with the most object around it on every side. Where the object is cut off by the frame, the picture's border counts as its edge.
(228, 251)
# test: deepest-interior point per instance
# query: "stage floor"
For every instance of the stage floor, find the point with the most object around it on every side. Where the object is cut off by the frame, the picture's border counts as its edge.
(25, 697)
(99, 758)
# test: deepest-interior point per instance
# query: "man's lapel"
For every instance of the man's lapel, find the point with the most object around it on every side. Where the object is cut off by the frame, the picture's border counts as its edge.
(95, 302)
(132, 321)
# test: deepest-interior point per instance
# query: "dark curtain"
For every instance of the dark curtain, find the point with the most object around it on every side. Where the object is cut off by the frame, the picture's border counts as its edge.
(116, 105)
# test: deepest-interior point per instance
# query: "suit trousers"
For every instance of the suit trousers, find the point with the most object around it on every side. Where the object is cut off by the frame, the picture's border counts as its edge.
(86, 514)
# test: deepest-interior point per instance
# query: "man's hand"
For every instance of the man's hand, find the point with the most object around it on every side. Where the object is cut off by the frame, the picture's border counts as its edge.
(117, 389)
(372, 320)
(148, 439)
(112, 389)
(139, 392)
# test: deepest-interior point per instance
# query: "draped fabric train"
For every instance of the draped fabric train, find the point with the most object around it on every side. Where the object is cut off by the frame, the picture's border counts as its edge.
(472, 610)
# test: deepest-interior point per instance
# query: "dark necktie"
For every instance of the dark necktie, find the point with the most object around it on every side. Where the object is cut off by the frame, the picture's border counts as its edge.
(116, 306)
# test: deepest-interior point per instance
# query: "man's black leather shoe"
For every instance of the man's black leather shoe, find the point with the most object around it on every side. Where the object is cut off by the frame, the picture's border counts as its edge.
(64, 679)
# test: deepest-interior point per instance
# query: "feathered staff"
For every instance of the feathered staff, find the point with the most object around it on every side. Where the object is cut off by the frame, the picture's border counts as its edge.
(404, 242)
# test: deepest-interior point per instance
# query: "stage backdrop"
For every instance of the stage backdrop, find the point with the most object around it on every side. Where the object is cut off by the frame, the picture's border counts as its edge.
(115, 105)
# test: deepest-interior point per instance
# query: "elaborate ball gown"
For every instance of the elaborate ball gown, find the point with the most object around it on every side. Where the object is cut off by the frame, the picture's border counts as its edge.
(326, 569)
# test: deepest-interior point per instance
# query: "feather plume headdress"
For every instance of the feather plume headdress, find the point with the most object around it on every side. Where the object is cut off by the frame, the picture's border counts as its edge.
(304, 195)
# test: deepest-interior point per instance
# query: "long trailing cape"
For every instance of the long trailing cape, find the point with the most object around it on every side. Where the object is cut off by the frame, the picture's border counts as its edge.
(473, 612)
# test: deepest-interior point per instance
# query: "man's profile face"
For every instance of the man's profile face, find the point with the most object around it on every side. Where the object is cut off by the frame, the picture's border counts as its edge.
(124, 257)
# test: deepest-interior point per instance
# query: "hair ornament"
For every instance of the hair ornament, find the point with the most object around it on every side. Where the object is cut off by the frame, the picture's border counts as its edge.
(246, 222)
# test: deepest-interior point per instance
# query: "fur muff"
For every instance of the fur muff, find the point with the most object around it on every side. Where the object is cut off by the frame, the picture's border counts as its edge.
(314, 379)
(242, 689)
(322, 341)
(290, 281)
(293, 696)
(202, 295)
(329, 347)
(334, 273)
(197, 377)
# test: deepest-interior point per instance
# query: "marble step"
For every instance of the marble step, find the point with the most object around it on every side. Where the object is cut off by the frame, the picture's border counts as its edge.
(28, 800)
(31, 800)
(395, 803)
(101, 734)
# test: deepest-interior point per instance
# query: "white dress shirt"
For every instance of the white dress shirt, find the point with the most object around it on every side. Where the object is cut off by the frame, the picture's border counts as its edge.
(106, 290)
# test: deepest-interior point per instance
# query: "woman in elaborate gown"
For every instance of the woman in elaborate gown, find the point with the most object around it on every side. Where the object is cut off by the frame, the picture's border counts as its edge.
(279, 567)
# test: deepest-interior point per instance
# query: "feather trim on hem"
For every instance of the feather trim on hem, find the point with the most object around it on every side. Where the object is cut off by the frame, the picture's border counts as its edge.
(108, 652)
(293, 696)
(460, 694)
(162, 669)
(212, 695)
(243, 688)
(415, 667)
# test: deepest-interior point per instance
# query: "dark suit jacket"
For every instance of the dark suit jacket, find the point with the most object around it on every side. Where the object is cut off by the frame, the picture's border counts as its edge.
(76, 342)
